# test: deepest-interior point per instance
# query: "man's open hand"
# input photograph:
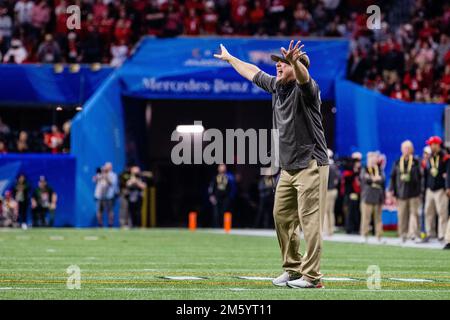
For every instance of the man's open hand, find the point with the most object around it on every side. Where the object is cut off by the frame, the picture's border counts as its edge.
(294, 52)
(224, 54)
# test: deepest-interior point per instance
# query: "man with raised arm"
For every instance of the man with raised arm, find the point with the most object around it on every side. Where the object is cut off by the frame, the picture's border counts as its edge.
(300, 195)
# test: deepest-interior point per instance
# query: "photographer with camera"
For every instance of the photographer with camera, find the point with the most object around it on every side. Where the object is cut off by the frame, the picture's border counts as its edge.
(135, 188)
(105, 192)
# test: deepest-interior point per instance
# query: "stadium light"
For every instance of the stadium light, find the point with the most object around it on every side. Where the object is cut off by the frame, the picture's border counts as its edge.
(195, 128)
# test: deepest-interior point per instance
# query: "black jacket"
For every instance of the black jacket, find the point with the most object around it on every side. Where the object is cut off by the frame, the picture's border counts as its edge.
(406, 188)
(442, 180)
(372, 192)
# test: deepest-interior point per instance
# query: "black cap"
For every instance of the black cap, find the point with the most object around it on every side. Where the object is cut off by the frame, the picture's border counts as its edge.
(304, 59)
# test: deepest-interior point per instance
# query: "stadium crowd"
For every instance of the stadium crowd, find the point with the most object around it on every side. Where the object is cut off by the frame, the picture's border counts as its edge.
(50, 139)
(407, 61)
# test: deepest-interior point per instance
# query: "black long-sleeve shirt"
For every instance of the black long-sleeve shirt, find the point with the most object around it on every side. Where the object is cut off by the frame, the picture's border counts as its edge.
(442, 179)
(406, 189)
(372, 191)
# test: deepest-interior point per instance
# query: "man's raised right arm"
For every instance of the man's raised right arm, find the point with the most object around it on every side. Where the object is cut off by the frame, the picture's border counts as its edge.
(247, 70)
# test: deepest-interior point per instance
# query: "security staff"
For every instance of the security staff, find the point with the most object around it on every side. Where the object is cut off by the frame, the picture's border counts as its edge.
(405, 187)
(372, 196)
(333, 184)
(220, 194)
(437, 183)
(351, 190)
(266, 187)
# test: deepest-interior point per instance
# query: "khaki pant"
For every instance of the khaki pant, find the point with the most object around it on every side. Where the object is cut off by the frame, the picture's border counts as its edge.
(447, 233)
(328, 221)
(408, 217)
(300, 201)
(367, 211)
(124, 214)
(436, 202)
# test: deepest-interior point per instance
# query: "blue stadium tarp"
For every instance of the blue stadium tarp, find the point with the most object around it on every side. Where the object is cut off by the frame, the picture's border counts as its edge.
(97, 137)
(369, 121)
(40, 84)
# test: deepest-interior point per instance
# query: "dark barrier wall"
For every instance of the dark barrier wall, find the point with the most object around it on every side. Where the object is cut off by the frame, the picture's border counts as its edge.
(40, 84)
(367, 121)
(59, 171)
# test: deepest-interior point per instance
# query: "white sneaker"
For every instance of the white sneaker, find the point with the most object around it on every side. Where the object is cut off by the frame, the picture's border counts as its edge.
(24, 226)
(283, 279)
(302, 283)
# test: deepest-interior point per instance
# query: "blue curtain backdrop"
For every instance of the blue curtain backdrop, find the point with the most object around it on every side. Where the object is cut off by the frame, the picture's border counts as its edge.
(367, 121)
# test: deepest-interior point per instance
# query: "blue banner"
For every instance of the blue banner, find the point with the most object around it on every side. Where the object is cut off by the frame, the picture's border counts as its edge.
(59, 171)
(368, 121)
(40, 84)
(185, 68)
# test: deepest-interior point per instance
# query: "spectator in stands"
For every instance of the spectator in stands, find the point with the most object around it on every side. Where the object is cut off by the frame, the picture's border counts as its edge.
(192, 23)
(66, 140)
(43, 203)
(372, 196)
(135, 187)
(106, 187)
(333, 186)
(8, 211)
(3, 149)
(405, 188)
(4, 128)
(210, 18)
(437, 184)
(23, 12)
(92, 46)
(54, 139)
(119, 53)
(72, 48)
(173, 20)
(40, 17)
(6, 25)
(49, 51)
(21, 193)
(257, 15)
(22, 142)
(16, 53)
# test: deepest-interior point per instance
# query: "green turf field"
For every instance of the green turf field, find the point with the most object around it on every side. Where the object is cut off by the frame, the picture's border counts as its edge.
(125, 264)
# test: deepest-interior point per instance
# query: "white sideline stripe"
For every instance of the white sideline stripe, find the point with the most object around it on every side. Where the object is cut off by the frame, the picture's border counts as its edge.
(56, 238)
(256, 278)
(338, 279)
(238, 289)
(91, 238)
(183, 278)
(51, 250)
(224, 289)
(343, 238)
(410, 280)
